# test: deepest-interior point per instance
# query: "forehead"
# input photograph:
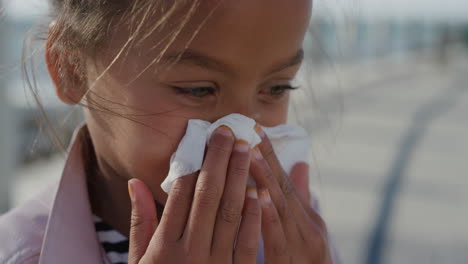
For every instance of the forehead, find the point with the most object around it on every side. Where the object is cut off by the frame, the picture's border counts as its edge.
(257, 23)
(247, 34)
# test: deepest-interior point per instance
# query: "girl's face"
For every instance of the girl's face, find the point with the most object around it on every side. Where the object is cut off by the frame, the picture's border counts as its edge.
(241, 61)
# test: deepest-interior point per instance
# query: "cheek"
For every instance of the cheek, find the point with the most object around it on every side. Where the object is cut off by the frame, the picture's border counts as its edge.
(137, 146)
(154, 137)
(274, 114)
(144, 151)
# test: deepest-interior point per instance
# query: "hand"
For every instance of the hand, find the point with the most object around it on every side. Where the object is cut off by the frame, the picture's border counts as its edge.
(292, 231)
(203, 212)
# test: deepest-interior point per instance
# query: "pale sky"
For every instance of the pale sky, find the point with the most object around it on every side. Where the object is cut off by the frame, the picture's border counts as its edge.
(449, 9)
(21, 8)
(456, 10)
(428, 9)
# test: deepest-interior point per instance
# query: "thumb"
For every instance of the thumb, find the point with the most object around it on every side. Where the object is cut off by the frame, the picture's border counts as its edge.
(300, 178)
(143, 219)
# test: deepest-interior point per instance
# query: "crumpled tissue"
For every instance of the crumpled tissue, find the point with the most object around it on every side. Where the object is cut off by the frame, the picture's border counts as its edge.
(290, 143)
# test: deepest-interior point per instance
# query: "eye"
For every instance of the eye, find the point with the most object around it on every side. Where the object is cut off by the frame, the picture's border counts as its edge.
(198, 92)
(280, 89)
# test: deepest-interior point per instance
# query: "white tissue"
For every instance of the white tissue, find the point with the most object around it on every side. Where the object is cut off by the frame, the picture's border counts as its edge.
(290, 143)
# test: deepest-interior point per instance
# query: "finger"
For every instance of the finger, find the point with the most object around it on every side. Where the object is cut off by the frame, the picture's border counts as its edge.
(143, 219)
(269, 155)
(177, 209)
(232, 202)
(307, 226)
(265, 179)
(278, 177)
(250, 230)
(300, 178)
(275, 243)
(208, 191)
(311, 226)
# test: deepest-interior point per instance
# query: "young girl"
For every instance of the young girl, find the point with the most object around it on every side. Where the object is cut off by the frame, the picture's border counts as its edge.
(141, 69)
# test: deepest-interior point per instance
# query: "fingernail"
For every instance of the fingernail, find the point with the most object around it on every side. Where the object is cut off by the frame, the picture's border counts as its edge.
(259, 131)
(252, 192)
(257, 153)
(131, 192)
(224, 130)
(265, 199)
(241, 146)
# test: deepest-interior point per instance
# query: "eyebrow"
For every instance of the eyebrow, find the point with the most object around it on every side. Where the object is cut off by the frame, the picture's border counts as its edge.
(192, 57)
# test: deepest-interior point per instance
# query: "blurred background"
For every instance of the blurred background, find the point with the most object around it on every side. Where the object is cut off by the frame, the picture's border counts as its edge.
(387, 110)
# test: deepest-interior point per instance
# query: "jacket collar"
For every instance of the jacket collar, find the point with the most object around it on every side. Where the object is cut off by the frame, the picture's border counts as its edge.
(70, 236)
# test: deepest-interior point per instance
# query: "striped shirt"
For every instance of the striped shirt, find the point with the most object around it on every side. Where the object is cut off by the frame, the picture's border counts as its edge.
(114, 243)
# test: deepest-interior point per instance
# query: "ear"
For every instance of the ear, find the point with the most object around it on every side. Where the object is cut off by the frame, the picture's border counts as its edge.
(69, 87)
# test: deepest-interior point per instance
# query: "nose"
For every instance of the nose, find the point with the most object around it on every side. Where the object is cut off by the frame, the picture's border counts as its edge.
(244, 105)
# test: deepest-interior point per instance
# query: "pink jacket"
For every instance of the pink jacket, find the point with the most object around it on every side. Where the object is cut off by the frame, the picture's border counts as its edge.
(57, 225)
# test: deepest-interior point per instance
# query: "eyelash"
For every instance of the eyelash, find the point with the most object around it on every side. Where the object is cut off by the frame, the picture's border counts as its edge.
(192, 91)
(284, 88)
(211, 90)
